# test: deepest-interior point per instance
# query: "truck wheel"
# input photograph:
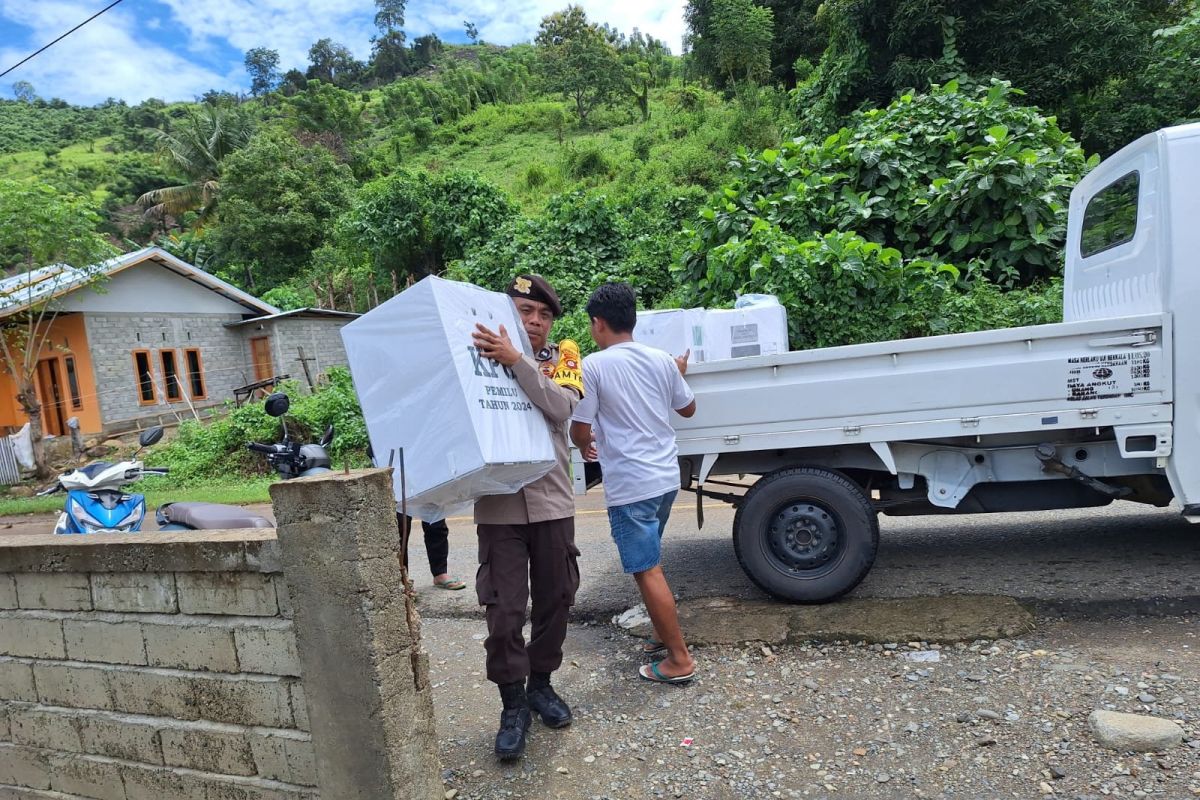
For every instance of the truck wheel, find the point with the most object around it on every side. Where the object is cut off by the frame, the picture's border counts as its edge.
(806, 534)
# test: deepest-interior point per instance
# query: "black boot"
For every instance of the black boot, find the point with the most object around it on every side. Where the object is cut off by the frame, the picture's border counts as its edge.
(515, 720)
(545, 701)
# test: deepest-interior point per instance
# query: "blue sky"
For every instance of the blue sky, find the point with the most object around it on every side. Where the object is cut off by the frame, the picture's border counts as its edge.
(178, 49)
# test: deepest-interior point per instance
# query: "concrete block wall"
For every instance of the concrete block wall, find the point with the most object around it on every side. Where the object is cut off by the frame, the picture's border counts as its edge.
(145, 669)
(320, 338)
(113, 337)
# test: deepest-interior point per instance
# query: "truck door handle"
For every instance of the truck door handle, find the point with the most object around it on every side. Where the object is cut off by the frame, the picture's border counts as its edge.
(1139, 339)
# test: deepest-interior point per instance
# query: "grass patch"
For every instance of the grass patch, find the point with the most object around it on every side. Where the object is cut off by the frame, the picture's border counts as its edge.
(242, 491)
(30, 163)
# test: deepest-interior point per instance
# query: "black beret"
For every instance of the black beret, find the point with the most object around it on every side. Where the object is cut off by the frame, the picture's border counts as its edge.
(535, 287)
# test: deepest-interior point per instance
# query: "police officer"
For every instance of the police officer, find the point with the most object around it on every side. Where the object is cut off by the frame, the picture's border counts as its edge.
(527, 539)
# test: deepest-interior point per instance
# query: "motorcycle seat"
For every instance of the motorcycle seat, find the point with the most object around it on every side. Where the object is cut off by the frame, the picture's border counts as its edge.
(214, 516)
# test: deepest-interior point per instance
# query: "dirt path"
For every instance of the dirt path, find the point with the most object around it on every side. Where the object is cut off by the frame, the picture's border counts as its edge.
(1002, 719)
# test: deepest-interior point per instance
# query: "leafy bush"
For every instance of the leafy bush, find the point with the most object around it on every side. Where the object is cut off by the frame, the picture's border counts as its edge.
(581, 241)
(217, 448)
(535, 175)
(586, 162)
(909, 224)
(945, 176)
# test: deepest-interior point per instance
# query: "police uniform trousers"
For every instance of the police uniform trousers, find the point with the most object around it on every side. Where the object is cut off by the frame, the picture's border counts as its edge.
(517, 563)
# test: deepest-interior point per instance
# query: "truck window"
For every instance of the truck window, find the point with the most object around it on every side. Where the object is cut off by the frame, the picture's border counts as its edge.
(1111, 216)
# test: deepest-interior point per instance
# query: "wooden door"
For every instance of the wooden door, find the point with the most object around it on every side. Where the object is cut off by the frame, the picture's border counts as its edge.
(260, 354)
(50, 391)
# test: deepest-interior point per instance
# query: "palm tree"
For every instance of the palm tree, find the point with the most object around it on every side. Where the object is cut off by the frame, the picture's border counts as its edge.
(195, 146)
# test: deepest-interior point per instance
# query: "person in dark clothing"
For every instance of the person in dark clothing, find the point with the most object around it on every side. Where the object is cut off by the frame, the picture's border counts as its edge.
(437, 548)
(437, 545)
(527, 550)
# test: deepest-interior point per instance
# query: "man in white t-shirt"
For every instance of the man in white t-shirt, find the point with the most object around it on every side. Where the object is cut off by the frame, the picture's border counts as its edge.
(629, 392)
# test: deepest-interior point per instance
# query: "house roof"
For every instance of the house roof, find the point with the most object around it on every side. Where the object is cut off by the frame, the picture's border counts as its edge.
(46, 283)
(298, 312)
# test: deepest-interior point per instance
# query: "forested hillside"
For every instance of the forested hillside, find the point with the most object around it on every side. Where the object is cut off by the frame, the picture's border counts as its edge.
(888, 167)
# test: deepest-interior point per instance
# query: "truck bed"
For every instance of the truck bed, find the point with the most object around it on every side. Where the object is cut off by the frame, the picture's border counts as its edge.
(1047, 377)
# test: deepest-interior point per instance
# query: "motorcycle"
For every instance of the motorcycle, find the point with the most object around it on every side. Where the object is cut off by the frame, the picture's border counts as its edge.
(289, 458)
(96, 501)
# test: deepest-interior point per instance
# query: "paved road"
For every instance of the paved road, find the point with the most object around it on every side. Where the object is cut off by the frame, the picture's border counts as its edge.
(1119, 559)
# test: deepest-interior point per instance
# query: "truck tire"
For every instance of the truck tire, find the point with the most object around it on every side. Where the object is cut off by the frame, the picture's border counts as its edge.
(806, 534)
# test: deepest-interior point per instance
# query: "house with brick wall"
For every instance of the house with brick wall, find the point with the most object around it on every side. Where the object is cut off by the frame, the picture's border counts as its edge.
(157, 339)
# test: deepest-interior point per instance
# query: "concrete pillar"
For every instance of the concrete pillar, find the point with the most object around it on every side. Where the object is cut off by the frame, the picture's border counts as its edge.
(366, 679)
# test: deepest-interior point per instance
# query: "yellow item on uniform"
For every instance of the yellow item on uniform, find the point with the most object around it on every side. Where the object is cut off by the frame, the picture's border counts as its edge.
(569, 371)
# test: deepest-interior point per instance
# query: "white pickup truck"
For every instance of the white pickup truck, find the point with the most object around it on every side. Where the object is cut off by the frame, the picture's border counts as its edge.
(1104, 405)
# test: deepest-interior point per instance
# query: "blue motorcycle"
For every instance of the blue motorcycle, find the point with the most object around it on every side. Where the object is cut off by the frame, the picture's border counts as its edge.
(96, 500)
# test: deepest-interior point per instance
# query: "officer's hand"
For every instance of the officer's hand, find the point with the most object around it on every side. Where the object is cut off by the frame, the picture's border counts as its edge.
(681, 362)
(496, 346)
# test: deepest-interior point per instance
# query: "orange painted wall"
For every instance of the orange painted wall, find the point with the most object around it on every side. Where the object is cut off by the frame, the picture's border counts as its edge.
(68, 337)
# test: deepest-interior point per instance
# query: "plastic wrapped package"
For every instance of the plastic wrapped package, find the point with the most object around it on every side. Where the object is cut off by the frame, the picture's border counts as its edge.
(756, 326)
(467, 428)
(752, 330)
(675, 330)
(22, 443)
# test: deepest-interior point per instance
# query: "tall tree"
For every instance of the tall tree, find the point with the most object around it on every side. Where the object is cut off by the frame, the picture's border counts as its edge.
(798, 34)
(1056, 51)
(41, 231)
(195, 146)
(263, 66)
(577, 59)
(389, 57)
(389, 15)
(332, 62)
(472, 31)
(410, 225)
(647, 66)
(24, 91)
(278, 202)
(743, 31)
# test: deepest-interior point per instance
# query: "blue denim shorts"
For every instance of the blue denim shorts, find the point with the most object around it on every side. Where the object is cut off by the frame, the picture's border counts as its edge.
(637, 528)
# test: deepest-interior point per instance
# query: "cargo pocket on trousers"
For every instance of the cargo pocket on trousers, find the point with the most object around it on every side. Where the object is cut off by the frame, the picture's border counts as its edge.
(484, 588)
(572, 573)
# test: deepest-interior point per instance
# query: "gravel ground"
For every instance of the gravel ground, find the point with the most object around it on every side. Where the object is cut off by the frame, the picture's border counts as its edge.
(988, 720)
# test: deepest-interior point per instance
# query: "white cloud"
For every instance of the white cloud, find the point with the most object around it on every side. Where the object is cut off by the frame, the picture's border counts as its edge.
(512, 21)
(288, 26)
(102, 59)
(133, 52)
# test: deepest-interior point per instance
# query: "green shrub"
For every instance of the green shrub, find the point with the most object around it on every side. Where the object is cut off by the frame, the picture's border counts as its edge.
(643, 140)
(217, 448)
(946, 176)
(535, 175)
(588, 161)
(421, 131)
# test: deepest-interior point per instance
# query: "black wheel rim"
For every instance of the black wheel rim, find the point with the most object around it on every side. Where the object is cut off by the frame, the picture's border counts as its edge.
(804, 538)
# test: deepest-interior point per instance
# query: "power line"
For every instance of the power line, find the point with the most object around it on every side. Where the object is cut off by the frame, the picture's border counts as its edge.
(60, 38)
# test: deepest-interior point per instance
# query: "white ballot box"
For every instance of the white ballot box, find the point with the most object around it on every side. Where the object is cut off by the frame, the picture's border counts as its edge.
(675, 330)
(466, 427)
(755, 327)
(753, 330)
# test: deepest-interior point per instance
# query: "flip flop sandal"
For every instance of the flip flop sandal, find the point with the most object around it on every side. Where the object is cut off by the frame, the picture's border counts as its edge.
(651, 672)
(453, 584)
(651, 647)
